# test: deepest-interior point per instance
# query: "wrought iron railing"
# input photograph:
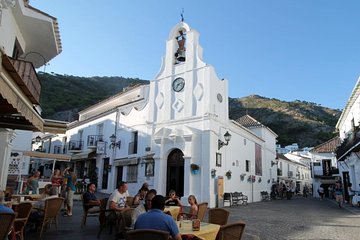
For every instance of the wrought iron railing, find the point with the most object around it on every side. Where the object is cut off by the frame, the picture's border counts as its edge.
(92, 140)
(348, 143)
(75, 145)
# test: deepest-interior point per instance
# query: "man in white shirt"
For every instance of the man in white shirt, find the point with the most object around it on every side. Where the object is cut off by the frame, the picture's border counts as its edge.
(117, 200)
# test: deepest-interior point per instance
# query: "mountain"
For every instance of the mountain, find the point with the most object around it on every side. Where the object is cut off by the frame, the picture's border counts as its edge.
(305, 123)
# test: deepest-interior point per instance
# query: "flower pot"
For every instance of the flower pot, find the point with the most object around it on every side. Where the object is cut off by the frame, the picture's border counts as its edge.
(195, 171)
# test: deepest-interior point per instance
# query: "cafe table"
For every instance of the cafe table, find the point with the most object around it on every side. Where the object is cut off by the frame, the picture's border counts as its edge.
(174, 211)
(32, 196)
(208, 231)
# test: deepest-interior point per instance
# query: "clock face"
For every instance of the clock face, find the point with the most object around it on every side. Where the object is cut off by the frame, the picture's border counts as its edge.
(219, 97)
(178, 84)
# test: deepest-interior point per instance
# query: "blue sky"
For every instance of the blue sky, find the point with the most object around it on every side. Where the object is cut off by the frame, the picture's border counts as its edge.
(305, 50)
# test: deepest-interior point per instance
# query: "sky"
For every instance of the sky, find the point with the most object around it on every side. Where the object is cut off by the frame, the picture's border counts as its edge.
(306, 50)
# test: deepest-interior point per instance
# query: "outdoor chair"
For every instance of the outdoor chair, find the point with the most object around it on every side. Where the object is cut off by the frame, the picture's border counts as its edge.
(6, 223)
(129, 201)
(227, 198)
(23, 212)
(235, 198)
(107, 217)
(233, 231)
(88, 212)
(218, 216)
(147, 234)
(243, 198)
(126, 217)
(265, 196)
(50, 213)
(202, 207)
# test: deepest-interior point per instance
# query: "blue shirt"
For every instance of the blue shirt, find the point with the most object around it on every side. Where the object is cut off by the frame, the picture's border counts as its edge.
(70, 183)
(158, 220)
(4, 209)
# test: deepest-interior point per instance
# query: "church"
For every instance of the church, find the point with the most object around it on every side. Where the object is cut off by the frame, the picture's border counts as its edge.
(173, 133)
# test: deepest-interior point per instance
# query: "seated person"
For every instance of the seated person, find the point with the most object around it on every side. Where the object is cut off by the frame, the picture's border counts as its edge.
(193, 208)
(117, 200)
(143, 208)
(89, 198)
(156, 219)
(3, 208)
(46, 192)
(140, 196)
(172, 199)
(37, 213)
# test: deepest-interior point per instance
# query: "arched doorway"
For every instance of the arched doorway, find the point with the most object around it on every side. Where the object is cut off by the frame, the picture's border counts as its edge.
(175, 172)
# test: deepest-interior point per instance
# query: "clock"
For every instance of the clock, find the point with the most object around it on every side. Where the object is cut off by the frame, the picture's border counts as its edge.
(178, 84)
(219, 97)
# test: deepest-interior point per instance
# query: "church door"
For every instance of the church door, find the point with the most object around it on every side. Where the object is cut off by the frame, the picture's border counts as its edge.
(175, 172)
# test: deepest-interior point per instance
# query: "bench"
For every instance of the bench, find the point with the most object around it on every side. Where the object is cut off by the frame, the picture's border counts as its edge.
(265, 196)
(238, 198)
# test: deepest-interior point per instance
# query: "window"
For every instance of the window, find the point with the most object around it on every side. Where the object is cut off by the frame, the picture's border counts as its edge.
(133, 145)
(17, 52)
(100, 130)
(132, 172)
(244, 141)
(218, 159)
(247, 166)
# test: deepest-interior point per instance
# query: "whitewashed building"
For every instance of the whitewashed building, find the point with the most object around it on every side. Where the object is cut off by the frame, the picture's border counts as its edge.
(170, 133)
(174, 133)
(348, 152)
(29, 38)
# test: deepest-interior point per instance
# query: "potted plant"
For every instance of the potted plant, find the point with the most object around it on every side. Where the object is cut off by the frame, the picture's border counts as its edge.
(194, 168)
(228, 174)
(213, 172)
(259, 179)
(242, 176)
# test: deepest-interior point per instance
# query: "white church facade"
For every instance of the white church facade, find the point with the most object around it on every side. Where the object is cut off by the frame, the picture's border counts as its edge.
(174, 133)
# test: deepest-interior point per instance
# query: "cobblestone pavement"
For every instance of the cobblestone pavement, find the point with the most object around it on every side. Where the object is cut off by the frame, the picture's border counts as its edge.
(298, 218)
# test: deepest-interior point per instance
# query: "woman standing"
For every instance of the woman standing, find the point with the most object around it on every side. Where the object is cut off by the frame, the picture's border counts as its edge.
(339, 191)
(351, 193)
(56, 180)
(32, 184)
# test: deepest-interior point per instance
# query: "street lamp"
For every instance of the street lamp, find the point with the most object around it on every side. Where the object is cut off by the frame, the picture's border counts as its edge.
(227, 137)
(114, 143)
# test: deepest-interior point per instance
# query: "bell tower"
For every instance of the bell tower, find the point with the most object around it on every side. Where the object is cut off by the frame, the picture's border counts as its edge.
(186, 87)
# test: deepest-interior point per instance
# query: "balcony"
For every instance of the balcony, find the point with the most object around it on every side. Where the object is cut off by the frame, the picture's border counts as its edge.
(92, 140)
(59, 149)
(350, 144)
(24, 74)
(75, 146)
(290, 174)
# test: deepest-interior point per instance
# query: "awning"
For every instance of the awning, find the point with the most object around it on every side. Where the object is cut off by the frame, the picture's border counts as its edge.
(57, 157)
(29, 119)
(86, 154)
(126, 161)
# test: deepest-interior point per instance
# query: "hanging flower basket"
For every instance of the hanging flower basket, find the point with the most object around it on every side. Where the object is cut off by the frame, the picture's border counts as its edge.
(242, 176)
(228, 174)
(194, 168)
(213, 172)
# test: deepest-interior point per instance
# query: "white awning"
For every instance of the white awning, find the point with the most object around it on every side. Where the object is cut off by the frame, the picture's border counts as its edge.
(86, 154)
(51, 156)
(126, 161)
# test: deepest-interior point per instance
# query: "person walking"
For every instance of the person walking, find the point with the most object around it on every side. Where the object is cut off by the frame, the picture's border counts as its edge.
(321, 192)
(70, 190)
(305, 191)
(339, 192)
(351, 193)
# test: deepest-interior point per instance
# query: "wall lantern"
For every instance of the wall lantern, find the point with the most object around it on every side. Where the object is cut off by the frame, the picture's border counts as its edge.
(274, 162)
(227, 137)
(38, 139)
(113, 142)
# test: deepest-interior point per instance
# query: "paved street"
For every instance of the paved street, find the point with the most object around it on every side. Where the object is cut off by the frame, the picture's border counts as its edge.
(281, 219)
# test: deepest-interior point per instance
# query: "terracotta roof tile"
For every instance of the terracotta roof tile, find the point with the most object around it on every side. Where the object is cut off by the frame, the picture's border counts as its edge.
(248, 121)
(328, 146)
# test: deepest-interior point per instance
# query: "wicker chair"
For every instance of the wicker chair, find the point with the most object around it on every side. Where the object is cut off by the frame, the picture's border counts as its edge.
(106, 218)
(126, 216)
(6, 222)
(51, 210)
(233, 231)
(147, 234)
(202, 207)
(23, 213)
(218, 216)
(129, 201)
(88, 212)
